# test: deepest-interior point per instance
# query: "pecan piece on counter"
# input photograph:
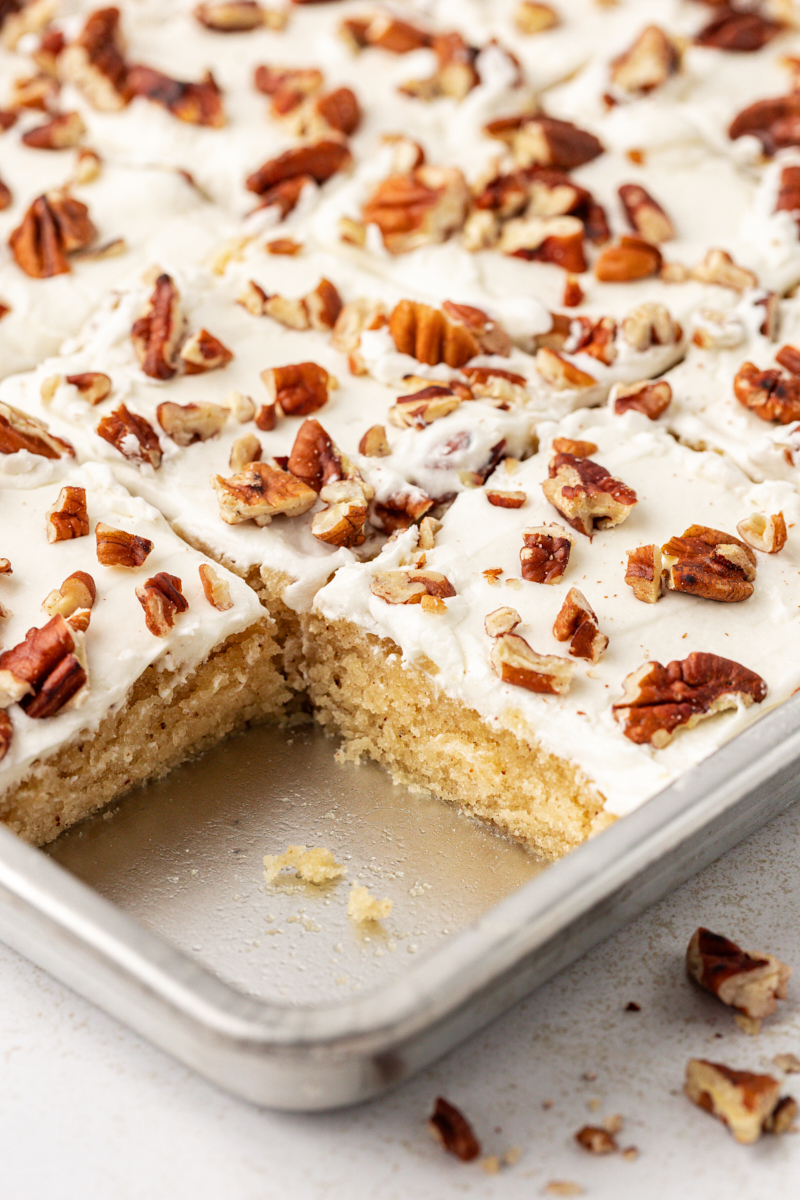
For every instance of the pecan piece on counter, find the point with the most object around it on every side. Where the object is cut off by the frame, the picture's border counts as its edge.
(587, 495)
(409, 585)
(630, 259)
(518, 664)
(342, 522)
(118, 548)
(771, 394)
(317, 161)
(230, 16)
(298, 388)
(659, 700)
(560, 373)
(420, 208)
(767, 534)
(158, 333)
(215, 589)
(203, 352)
(19, 431)
(545, 553)
(260, 492)
(748, 1103)
(709, 563)
(55, 225)
(422, 408)
(751, 983)
(651, 399)
(77, 592)
(196, 103)
(132, 435)
(161, 598)
(647, 64)
(43, 672)
(577, 624)
(67, 518)
(644, 573)
(95, 61)
(738, 30)
(718, 267)
(531, 16)
(645, 214)
(539, 140)
(62, 132)
(451, 1129)
(189, 423)
(596, 1139)
(501, 620)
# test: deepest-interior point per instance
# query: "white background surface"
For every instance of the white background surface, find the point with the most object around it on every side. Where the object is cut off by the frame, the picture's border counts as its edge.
(89, 1110)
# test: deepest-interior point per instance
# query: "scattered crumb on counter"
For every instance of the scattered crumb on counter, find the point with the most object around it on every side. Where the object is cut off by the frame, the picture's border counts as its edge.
(316, 865)
(789, 1063)
(750, 1025)
(363, 907)
(562, 1187)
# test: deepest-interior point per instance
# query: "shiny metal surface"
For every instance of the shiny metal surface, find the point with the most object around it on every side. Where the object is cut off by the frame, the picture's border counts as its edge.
(158, 911)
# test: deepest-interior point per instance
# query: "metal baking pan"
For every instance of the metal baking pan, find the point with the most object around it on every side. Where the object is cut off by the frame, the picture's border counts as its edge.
(157, 911)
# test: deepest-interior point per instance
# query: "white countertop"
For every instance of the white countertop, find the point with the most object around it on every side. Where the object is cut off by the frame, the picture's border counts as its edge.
(88, 1109)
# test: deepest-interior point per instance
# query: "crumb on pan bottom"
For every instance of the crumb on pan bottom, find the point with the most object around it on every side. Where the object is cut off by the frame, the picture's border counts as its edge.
(238, 683)
(393, 714)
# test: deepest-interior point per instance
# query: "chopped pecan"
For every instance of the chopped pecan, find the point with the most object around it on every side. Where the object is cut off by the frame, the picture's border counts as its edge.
(230, 16)
(738, 29)
(319, 309)
(506, 388)
(78, 591)
(746, 1102)
(545, 141)
(789, 191)
(631, 259)
(501, 620)
(719, 268)
(560, 373)
(595, 338)
(650, 324)
(157, 334)
(132, 435)
(38, 91)
(644, 573)
(770, 394)
(5, 567)
(573, 292)
(775, 122)
(659, 700)
(596, 1140)
(189, 423)
(355, 318)
(715, 330)
(586, 494)
(374, 444)
(55, 225)
(314, 458)
(751, 983)
(577, 624)
(336, 112)
(284, 247)
(545, 553)
(431, 336)
(647, 64)
(204, 352)
(531, 16)
(565, 445)
(455, 75)
(420, 208)
(452, 1129)
(789, 357)
(342, 522)
(489, 333)
(93, 386)
(299, 388)
(18, 431)
(506, 499)
(386, 31)
(767, 534)
(241, 406)
(43, 672)
(646, 216)
(68, 518)
(410, 585)
(423, 408)
(518, 664)
(557, 240)
(6, 733)
(62, 132)
(317, 161)
(646, 397)
(161, 598)
(215, 589)
(401, 509)
(709, 563)
(259, 492)
(196, 103)
(118, 548)
(245, 449)
(95, 61)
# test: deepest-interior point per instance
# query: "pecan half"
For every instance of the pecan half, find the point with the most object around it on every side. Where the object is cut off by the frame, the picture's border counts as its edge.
(189, 423)
(538, 140)
(95, 61)
(132, 435)
(587, 495)
(709, 563)
(118, 548)
(299, 388)
(215, 589)
(501, 620)
(739, 30)
(577, 624)
(161, 598)
(767, 534)
(342, 522)
(55, 225)
(518, 664)
(771, 394)
(408, 586)
(646, 216)
(260, 492)
(560, 373)
(157, 334)
(423, 408)
(43, 672)
(631, 259)
(420, 208)
(230, 16)
(452, 1129)
(644, 573)
(19, 431)
(204, 352)
(196, 103)
(67, 518)
(317, 161)
(751, 983)
(62, 132)
(431, 336)
(545, 553)
(659, 700)
(746, 1102)
(78, 591)
(651, 399)
(647, 64)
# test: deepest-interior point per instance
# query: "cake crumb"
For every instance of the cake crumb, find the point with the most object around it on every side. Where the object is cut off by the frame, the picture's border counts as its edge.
(363, 907)
(789, 1063)
(316, 865)
(750, 1025)
(630, 1153)
(563, 1187)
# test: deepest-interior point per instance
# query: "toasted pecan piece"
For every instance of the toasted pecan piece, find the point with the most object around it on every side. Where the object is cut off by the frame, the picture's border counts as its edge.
(455, 75)
(230, 16)
(748, 1103)
(545, 141)
(596, 1139)
(647, 397)
(190, 423)
(560, 372)
(644, 573)
(587, 495)
(314, 458)
(77, 592)
(158, 333)
(645, 214)
(531, 16)
(738, 30)
(514, 660)
(203, 352)
(420, 208)
(453, 1131)
(374, 443)
(501, 620)
(342, 522)
(93, 386)
(162, 599)
(650, 324)
(718, 267)
(422, 408)
(630, 259)
(132, 435)
(298, 388)
(577, 624)
(43, 672)
(751, 983)
(647, 64)
(54, 226)
(772, 395)
(767, 534)
(659, 700)
(215, 589)
(118, 548)
(196, 103)
(709, 563)
(545, 553)
(259, 492)
(19, 431)
(557, 240)
(62, 132)
(95, 61)
(67, 518)
(408, 586)
(317, 161)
